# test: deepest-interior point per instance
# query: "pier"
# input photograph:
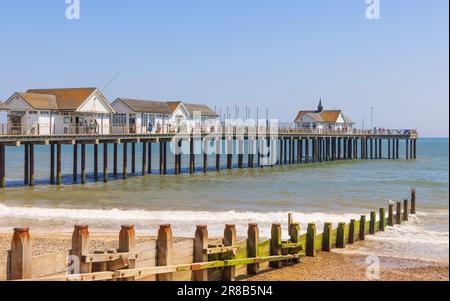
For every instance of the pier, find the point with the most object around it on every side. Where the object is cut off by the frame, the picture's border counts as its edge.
(287, 147)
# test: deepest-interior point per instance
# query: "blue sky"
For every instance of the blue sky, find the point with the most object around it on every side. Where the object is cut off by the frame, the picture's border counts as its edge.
(283, 55)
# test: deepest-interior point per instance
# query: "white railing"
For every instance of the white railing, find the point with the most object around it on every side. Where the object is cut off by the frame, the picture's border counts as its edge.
(70, 129)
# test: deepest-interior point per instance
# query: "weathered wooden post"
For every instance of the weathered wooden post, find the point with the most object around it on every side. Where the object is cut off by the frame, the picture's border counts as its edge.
(31, 164)
(75, 164)
(398, 216)
(200, 244)
(294, 235)
(306, 150)
(26, 172)
(127, 244)
(351, 231)
(149, 157)
(165, 157)
(290, 219)
(105, 162)
(133, 158)
(205, 155)
(95, 162)
(391, 215)
(275, 244)
(83, 163)
(405, 210)
(218, 150)
(58, 164)
(52, 163)
(310, 240)
(125, 164)
(373, 217)
(340, 236)
(164, 247)
(229, 240)
(362, 227)
(413, 200)
(21, 254)
(80, 246)
(191, 155)
(115, 160)
(381, 225)
(161, 157)
(326, 237)
(253, 248)
(144, 159)
(2, 166)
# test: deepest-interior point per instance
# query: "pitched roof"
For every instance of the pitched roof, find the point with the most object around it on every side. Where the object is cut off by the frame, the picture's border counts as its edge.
(147, 106)
(3, 106)
(203, 109)
(330, 115)
(173, 105)
(315, 116)
(40, 101)
(68, 98)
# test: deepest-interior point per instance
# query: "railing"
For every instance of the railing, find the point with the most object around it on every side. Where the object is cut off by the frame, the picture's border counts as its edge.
(283, 129)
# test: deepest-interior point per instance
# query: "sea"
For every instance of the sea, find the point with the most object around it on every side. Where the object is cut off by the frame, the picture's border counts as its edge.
(321, 192)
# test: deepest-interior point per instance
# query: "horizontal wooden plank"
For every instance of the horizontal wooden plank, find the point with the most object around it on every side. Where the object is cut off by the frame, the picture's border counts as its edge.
(219, 250)
(51, 264)
(91, 258)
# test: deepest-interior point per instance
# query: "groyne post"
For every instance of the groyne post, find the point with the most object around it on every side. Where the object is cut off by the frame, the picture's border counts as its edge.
(127, 244)
(405, 210)
(413, 200)
(351, 231)
(340, 236)
(362, 227)
(253, 247)
(294, 235)
(391, 215)
(21, 254)
(398, 216)
(80, 246)
(164, 247)
(310, 240)
(326, 238)
(382, 225)
(200, 244)
(229, 240)
(275, 244)
(373, 216)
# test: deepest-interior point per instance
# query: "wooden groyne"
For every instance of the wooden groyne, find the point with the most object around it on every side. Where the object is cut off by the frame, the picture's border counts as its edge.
(199, 258)
(290, 146)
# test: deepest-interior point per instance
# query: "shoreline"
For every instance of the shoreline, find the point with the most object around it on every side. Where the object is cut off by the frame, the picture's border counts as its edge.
(333, 266)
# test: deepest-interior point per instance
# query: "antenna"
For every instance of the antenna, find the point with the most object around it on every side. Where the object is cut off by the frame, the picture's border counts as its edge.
(110, 81)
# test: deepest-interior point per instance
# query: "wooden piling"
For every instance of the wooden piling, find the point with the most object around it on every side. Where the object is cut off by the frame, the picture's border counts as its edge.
(58, 164)
(389, 149)
(306, 150)
(382, 219)
(391, 215)
(340, 236)
(144, 158)
(83, 163)
(380, 150)
(200, 244)
(229, 239)
(218, 150)
(362, 227)
(124, 161)
(373, 216)
(253, 247)
(371, 148)
(95, 162)
(105, 162)
(413, 200)
(397, 148)
(149, 158)
(275, 244)
(405, 210)
(75, 164)
(398, 216)
(326, 237)
(2, 166)
(164, 247)
(80, 246)
(133, 158)
(191, 156)
(115, 172)
(415, 148)
(310, 240)
(406, 151)
(127, 237)
(294, 236)
(21, 254)
(205, 155)
(351, 231)
(165, 157)
(31, 179)
(26, 172)
(52, 163)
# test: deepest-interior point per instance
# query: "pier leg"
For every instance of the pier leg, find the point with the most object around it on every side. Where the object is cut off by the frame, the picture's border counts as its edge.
(165, 157)
(300, 150)
(397, 149)
(26, 171)
(230, 153)
(191, 156)
(345, 148)
(2, 166)
(125, 155)
(52, 163)
(83, 163)
(105, 162)
(75, 164)
(307, 150)
(58, 164)
(415, 148)
(31, 164)
(115, 161)
(218, 150)
(177, 151)
(251, 150)
(205, 155)
(285, 151)
(149, 158)
(240, 143)
(406, 153)
(389, 149)
(161, 157)
(95, 162)
(380, 151)
(144, 158)
(371, 148)
(133, 158)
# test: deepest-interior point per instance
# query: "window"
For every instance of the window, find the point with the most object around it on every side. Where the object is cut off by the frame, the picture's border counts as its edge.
(45, 113)
(66, 120)
(120, 119)
(144, 119)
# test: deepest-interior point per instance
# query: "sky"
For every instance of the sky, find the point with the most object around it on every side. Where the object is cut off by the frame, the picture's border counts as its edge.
(280, 55)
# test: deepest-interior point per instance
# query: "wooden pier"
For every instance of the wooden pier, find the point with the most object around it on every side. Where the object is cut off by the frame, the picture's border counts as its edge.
(200, 258)
(290, 146)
